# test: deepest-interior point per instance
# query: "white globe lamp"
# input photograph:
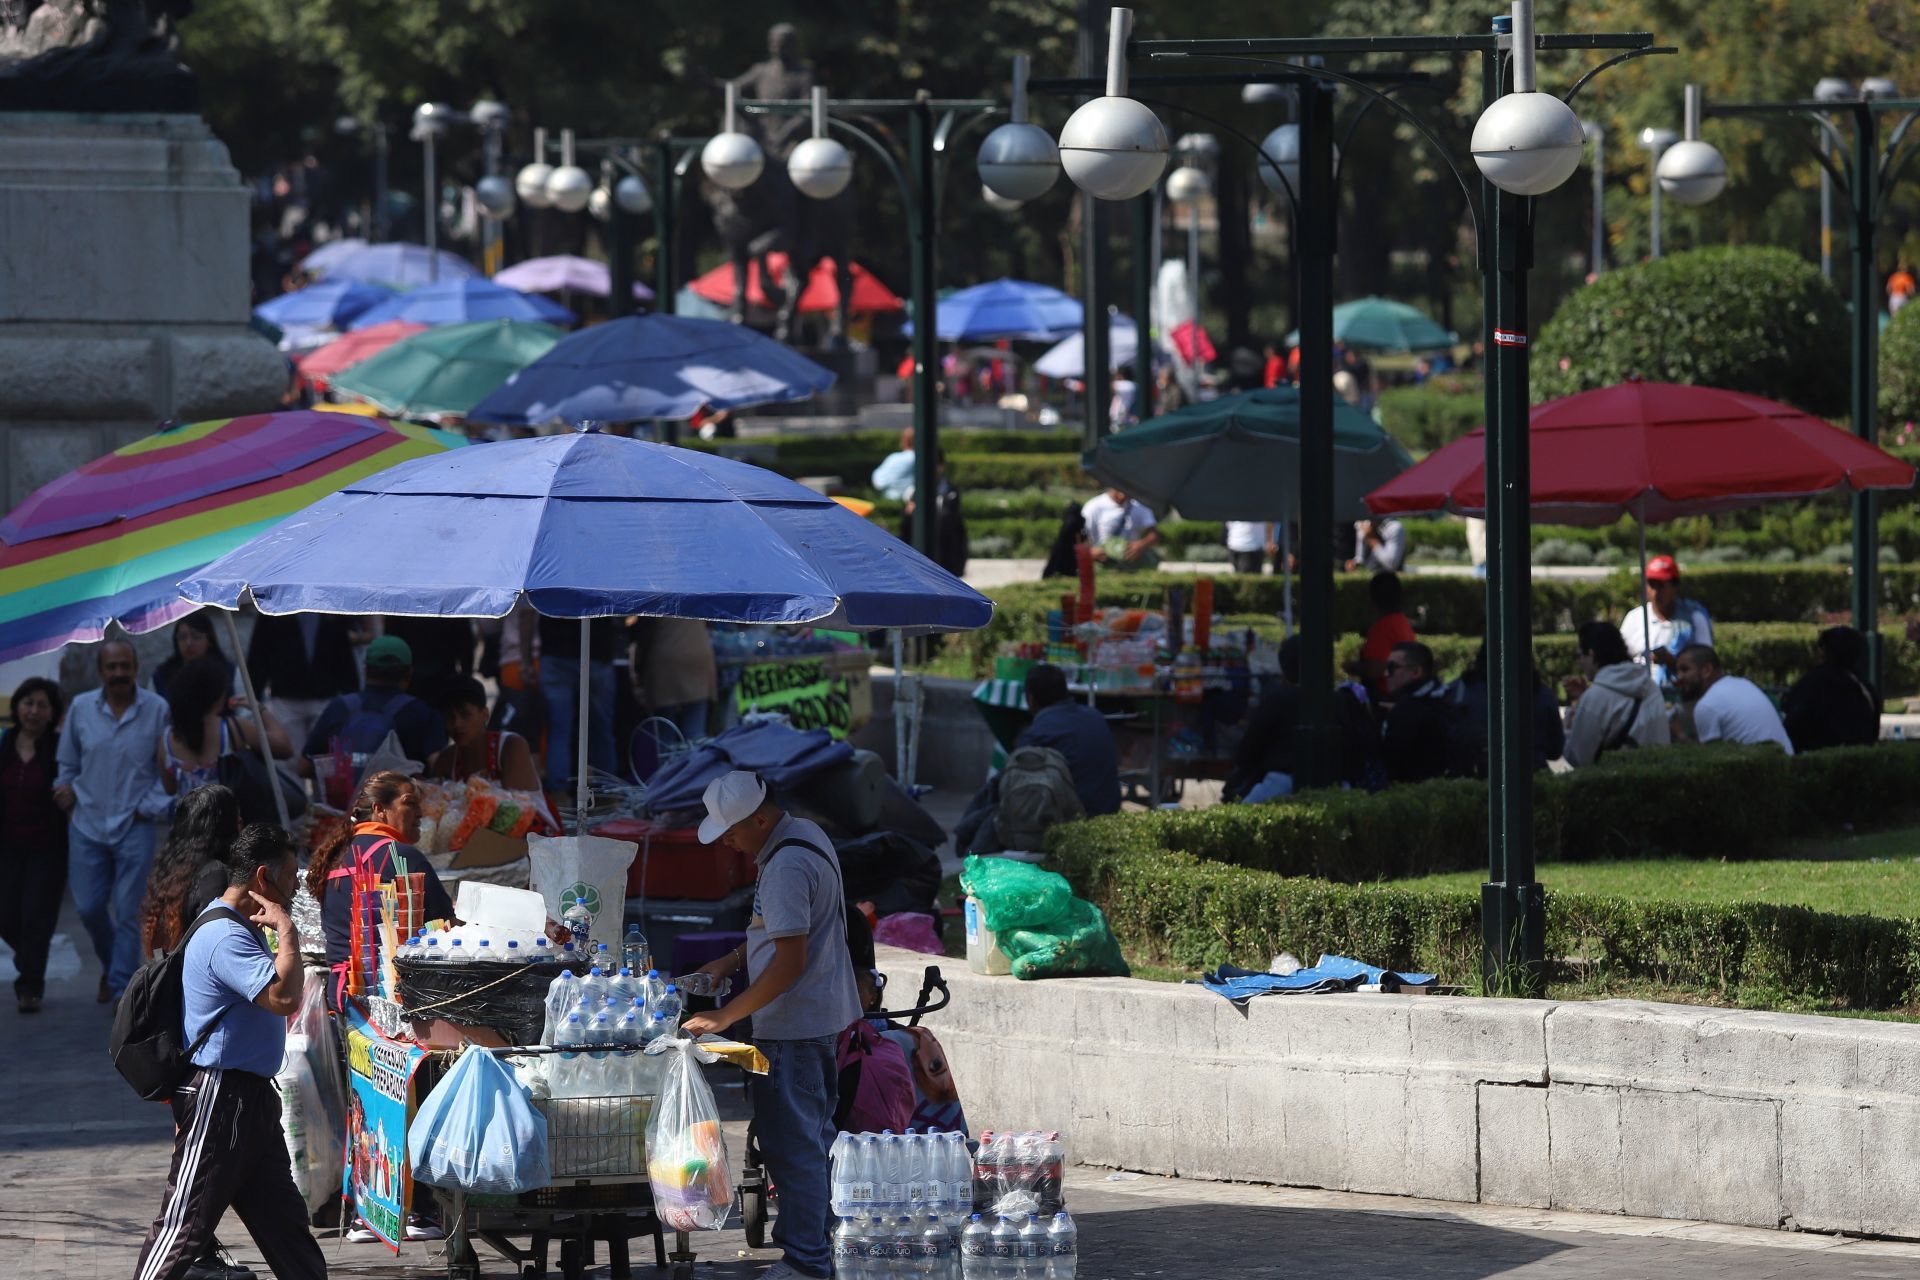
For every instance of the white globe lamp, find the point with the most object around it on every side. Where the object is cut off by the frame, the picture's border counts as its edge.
(494, 195)
(600, 204)
(820, 168)
(569, 188)
(530, 184)
(632, 196)
(997, 202)
(1019, 161)
(1691, 172)
(1187, 185)
(1114, 148)
(1528, 143)
(731, 159)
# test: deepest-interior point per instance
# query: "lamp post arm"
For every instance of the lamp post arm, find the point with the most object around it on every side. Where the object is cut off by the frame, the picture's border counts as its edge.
(1893, 159)
(874, 145)
(1614, 61)
(1293, 203)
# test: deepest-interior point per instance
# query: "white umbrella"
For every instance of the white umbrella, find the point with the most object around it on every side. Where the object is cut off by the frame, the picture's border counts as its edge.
(1068, 357)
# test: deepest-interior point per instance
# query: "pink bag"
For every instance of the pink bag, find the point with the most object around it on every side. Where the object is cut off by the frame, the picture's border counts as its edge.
(909, 929)
(876, 1085)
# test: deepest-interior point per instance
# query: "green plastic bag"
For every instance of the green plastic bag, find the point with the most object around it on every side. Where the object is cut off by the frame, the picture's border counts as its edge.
(1014, 895)
(1078, 945)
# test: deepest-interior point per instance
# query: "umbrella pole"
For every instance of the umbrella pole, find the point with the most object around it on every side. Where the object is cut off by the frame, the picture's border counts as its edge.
(1646, 608)
(580, 743)
(1286, 571)
(899, 713)
(259, 718)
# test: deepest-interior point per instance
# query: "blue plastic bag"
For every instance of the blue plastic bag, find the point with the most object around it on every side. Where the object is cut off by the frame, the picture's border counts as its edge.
(479, 1131)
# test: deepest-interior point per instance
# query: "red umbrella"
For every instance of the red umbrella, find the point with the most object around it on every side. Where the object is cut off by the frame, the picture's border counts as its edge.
(821, 294)
(322, 363)
(1655, 451)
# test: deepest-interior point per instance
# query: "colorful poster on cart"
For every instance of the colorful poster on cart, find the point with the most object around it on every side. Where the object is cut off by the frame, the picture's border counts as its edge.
(377, 1181)
(810, 694)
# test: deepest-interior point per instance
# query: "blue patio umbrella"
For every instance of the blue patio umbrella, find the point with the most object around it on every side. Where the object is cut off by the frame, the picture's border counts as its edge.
(317, 262)
(1005, 309)
(401, 266)
(329, 304)
(465, 302)
(645, 367)
(587, 525)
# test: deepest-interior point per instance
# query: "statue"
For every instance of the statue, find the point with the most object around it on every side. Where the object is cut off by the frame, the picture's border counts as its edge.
(771, 215)
(94, 56)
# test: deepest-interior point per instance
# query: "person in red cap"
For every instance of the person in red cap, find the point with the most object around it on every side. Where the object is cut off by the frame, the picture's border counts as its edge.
(1667, 623)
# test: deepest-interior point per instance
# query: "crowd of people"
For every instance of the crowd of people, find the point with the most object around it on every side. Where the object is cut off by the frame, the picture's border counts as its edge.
(1652, 680)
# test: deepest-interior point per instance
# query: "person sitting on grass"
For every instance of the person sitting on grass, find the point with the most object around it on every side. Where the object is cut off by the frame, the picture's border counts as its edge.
(1831, 706)
(1726, 708)
(1616, 705)
(1415, 733)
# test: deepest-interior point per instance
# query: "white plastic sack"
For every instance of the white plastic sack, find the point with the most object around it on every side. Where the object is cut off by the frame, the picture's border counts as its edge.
(312, 1105)
(478, 1131)
(686, 1151)
(590, 867)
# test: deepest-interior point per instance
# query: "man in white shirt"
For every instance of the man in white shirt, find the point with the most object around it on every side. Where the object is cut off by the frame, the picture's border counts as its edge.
(1113, 515)
(1667, 623)
(1726, 708)
(1249, 543)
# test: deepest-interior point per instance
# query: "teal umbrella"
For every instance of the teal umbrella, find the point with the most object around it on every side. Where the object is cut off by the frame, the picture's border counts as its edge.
(1238, 458)
(1381, 324)
(447, 370)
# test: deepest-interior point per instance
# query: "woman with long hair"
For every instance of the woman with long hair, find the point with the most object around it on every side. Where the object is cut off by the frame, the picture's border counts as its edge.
(193, 640)
(190, 869)
(204, 728)
(33, 837)
(386, 823)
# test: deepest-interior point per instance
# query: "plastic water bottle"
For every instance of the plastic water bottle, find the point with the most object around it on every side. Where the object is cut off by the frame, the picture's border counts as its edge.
(901, 1241)
(669, 1008)
(633, 950)
(1063, 1247)
(602, 1031)
(514, 955)
(456, 954)
(562, 995)
(656, 987)
(593, 989)
(1033, 1249)
(542, 949)
(485, 951)
(568, 1034)
(976, 1250)
(840, 1177)
(604, 958)
(864, 1186)
(957, 1175)
(579, 924)
(631, 1029)
(849, 1250)
(932, 1249)
(889, 1191)
(1005, 1250)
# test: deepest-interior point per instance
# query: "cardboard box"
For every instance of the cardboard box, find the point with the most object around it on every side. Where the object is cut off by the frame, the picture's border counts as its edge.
(486, 848)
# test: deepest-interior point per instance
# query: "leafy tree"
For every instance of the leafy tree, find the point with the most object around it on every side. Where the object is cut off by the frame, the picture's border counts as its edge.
(1900, 369)
(1755, 320)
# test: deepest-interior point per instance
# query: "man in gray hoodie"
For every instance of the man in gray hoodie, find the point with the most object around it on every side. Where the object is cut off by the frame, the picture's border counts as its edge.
(1621, 708)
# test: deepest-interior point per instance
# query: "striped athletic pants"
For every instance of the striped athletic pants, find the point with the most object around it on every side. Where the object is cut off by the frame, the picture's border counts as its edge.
(229, 1153)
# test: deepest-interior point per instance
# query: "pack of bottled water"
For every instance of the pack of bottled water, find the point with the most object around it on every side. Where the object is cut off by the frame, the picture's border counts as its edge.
(620, 1010)
(879, 1247)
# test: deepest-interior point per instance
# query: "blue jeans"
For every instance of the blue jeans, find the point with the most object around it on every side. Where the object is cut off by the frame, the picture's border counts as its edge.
(560, 685)
(109, 887)
(793, 1108)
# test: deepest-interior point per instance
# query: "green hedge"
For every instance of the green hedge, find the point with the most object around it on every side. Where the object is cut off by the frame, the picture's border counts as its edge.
(1718, 801)
(1439, 411)
(1899, 382)
(1758, 320)
(1177, 910)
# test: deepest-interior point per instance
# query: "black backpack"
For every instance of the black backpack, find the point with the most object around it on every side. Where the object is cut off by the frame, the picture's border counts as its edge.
(150, 1022)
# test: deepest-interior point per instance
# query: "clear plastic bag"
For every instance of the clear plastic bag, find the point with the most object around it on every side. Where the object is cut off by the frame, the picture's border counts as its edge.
(686, 1151)
(312, 1098)
(479, 1131)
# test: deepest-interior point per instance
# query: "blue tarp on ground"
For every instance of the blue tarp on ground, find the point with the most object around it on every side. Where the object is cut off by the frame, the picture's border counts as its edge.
(783, 757)
(1329, 973)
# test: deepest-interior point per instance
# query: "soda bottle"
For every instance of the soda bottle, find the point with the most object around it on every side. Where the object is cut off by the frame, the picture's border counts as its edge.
(1050, 1174)
(976, 1250)
(983, 1179)
(633, 950)
(1063, 1247)
(1033, 1249)
(578, 922)
(1005, 1250)
(849, 1250)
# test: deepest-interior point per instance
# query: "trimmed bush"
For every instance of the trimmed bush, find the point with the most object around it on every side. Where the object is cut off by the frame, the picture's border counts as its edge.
(1899, 380)
(1721, 801)
(1439, 411)
(1749, 319)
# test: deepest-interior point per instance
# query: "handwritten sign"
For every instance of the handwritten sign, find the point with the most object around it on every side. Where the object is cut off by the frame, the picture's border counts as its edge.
(377, 1177)
(807, 693)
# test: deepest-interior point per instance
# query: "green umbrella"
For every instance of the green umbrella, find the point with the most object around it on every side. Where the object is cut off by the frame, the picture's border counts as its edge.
(1382, 324)
(447, 370)
(1238, 458)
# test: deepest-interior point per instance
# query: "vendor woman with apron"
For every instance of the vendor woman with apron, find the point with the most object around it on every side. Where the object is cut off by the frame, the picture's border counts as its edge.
(501, 756)
(386, 822)
(801, 996)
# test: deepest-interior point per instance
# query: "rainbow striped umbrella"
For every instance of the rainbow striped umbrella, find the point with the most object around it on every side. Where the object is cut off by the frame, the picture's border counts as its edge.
(110, 542)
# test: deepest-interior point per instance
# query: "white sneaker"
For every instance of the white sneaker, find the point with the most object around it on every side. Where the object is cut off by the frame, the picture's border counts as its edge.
(361, 1233)
(419, 1228)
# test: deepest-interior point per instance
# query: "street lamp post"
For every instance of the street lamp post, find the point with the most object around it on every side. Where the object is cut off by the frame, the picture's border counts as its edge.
(1656, 142)
(1597, 253)
(1863, 182)
(431, 120)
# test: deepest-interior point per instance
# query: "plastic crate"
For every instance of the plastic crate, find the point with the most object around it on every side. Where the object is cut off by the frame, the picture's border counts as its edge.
(672, 863)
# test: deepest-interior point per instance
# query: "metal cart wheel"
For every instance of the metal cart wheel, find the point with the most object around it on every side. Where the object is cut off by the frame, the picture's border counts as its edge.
(573, 1256)
(753, 1207)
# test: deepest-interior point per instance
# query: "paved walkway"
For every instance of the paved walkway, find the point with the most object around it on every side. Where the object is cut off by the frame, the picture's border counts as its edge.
(82, 1165)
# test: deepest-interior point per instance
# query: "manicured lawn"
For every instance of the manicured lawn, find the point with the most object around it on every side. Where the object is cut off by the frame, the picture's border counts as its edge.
(1874, 874)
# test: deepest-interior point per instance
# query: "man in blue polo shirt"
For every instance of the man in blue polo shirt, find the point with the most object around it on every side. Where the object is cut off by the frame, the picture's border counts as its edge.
(227, 1148)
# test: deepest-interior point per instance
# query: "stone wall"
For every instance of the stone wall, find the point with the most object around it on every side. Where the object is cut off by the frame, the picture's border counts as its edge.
(1755, 1119)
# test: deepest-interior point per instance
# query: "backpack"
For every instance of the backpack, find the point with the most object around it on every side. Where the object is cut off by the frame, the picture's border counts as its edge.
(876, 1088)
(367, 727)
(1036, 793)
(151, 1021)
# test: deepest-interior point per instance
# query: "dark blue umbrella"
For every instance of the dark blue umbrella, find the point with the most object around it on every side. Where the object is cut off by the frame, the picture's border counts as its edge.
(465, 302)
(638, 368)
(330, 304)
(1006, 309)
(590, 525)
(400, 266)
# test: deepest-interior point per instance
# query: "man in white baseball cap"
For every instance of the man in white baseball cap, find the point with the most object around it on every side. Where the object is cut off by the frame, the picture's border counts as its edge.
(801, 996)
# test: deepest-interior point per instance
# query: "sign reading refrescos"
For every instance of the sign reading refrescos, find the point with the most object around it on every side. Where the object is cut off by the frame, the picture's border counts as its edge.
(807, 693)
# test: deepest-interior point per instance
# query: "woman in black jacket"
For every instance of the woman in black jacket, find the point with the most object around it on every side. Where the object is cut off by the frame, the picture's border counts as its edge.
(33, 837)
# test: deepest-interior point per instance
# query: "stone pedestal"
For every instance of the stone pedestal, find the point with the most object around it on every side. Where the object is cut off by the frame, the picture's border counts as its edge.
(124, 288)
